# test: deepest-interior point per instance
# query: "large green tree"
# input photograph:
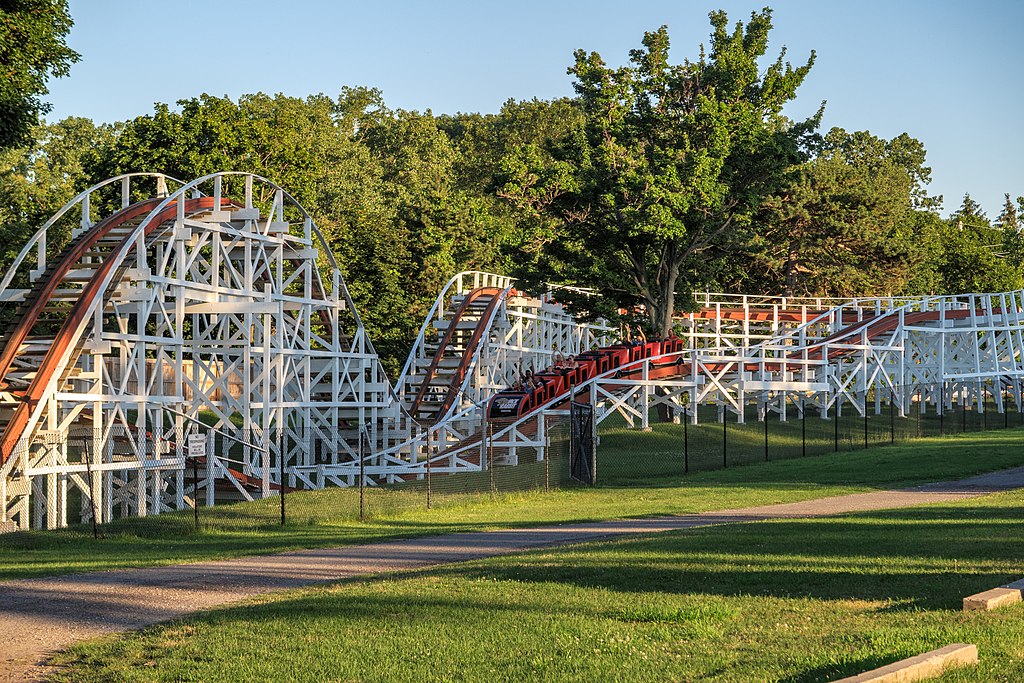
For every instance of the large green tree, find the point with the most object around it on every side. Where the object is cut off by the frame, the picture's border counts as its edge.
(846, 221)
(451, 226)
(32, 49)
(671, 163)
(309, 146)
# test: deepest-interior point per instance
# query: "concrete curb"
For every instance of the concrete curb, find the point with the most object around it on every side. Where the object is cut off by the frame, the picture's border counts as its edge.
(986, 601)
(921, 667)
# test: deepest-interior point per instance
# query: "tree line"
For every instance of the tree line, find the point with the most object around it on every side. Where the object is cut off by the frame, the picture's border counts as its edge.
(654, 181)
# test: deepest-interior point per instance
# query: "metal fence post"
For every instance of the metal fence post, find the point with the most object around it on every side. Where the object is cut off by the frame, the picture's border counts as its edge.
(963, 413)
(835, 419)
(892, 421)
(280, 460)
(942, 409)
(984, 408)
(725, 440)
(490, 458)
(547, 462)
(429, 480)
(766, 459)
(686, 440)
(920, 407)
(211, 449)
(593, 444)
(92, 497)
(803, 429)
(865, 420)
(195, 490)
(362, 477)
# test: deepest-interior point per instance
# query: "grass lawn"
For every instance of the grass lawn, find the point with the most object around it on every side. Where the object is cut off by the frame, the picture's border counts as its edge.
(329, 517)
(799, 600)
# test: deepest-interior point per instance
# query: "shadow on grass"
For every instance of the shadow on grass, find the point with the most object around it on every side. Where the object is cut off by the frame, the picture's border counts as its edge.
(330, 517)
(830, 672)
(901, 561)
(654, 459)
(927, 558)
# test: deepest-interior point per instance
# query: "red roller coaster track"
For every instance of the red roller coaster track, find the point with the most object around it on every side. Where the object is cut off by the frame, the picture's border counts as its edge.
(492, 297)
(92, 245)
(606, 361)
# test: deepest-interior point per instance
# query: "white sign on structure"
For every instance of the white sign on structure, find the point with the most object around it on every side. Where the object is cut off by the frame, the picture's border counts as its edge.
(197, 445)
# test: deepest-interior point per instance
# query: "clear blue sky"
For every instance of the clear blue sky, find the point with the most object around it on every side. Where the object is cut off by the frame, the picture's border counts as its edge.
(946, 72)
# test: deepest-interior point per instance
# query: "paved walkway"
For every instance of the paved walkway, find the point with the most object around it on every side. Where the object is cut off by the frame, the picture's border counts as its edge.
(40, 616)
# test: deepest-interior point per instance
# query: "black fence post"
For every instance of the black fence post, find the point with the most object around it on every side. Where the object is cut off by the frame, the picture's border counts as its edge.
(963, 413)
(490, 457)
(195, 491)
(865, 420)
(835, 420)
(547, 461)
(892, 421)
(725, 440)
(766, 459)
(593, 442)
(803, 429)
(686, 440)
(280, 460)
(92, 496)
(362, 476)
(1006, 412)
(942, 409)
(984, 409)
(920, 407)
(429, 482)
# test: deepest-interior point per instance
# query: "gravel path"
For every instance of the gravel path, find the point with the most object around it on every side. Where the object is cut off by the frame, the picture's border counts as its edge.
(40, 616)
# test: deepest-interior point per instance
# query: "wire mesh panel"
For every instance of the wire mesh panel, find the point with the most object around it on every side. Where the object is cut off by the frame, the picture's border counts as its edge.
(582, 449)
(153, 484)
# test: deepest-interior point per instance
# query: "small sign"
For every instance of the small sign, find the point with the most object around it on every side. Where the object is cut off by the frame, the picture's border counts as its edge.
(506, 406)
(197, 445)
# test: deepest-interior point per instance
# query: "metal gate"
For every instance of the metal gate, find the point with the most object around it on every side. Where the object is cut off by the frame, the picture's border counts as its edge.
(582, 451)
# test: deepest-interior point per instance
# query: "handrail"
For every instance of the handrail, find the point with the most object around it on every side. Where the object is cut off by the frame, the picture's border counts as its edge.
(38, 239)
(436, 312)
(58, 356)
(49, 286)
(446, 340)
(472, 354)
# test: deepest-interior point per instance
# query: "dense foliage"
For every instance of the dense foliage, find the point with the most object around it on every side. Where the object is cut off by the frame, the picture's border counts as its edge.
(671, 163)
(656, 180)
(32, 48)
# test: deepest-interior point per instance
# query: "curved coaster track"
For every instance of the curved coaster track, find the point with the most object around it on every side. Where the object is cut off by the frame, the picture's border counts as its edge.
(149, 309)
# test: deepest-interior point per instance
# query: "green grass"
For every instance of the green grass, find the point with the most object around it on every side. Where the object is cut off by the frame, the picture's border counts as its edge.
(329, 517)
(793, 601)
(663, 446)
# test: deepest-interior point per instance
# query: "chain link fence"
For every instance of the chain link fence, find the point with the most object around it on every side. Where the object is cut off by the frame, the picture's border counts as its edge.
(200, 479)
(206, 480)
(719, 438)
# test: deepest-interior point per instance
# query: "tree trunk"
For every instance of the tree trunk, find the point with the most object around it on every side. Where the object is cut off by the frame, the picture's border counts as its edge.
(665, 329)
(792, 264)
(663, 323)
